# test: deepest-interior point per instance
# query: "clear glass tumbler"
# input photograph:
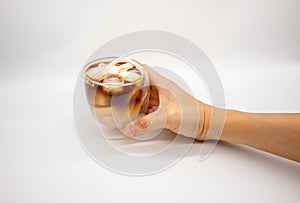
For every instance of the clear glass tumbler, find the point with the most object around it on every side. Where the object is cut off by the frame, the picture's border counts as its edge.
(117, 90)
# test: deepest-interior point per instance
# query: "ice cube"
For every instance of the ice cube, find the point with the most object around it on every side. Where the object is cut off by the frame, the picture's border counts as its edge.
(134, 70)
(113, 80)
(95, 72)
(130, 76)
(125, 66)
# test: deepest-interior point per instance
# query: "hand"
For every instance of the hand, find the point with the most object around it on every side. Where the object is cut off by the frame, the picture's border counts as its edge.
(181, 113)
(172, 108)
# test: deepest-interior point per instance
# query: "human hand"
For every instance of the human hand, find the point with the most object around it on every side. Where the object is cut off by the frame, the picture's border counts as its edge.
(181, 113)
(172, 108)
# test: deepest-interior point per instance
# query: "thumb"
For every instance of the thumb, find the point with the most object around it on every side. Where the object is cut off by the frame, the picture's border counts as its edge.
(149, 122)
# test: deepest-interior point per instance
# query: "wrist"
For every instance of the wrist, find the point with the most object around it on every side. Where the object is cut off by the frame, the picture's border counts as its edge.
(212, 122)
(205, 111)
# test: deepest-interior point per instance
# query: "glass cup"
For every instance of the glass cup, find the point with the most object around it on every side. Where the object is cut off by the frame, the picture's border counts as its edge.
(117, 90)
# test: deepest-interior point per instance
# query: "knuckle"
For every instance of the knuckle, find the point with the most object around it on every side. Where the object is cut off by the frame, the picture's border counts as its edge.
(143, 122)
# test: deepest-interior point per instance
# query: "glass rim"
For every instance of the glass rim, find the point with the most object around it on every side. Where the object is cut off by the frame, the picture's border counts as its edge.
(97, 60)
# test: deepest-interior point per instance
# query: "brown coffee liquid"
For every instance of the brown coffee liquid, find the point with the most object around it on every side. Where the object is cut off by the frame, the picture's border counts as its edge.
(126, 98)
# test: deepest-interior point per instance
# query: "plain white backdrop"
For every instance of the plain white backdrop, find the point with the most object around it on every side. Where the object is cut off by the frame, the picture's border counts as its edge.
(255, 46)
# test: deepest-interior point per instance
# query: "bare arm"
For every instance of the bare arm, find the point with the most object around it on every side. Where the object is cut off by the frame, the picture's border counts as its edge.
(180, 112)
(275, 133)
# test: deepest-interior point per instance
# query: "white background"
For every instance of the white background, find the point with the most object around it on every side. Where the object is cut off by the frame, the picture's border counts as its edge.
(255, 46)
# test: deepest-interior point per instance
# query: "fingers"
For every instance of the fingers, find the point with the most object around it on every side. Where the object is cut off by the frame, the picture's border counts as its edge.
(150, 122)
(154, 97)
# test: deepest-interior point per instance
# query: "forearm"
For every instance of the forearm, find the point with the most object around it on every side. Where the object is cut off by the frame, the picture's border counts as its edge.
(275, 133)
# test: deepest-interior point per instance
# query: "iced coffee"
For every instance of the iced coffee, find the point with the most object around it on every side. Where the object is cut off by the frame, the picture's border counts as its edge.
(116, 91)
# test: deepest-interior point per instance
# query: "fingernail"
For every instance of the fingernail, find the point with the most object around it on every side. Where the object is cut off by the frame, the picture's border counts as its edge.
(129, 131)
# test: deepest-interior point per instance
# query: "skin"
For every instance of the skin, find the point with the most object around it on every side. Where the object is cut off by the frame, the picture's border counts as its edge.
(278, 134)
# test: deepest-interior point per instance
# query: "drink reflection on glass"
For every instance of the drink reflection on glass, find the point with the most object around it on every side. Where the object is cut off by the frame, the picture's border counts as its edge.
(116, 92)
